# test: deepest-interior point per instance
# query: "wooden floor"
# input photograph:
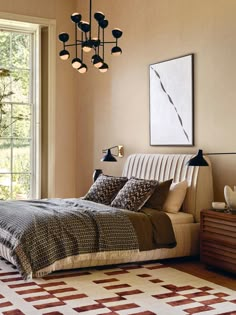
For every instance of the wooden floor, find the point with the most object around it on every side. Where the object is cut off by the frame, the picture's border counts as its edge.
(196, 268)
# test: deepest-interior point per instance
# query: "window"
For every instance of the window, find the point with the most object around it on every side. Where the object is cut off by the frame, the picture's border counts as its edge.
(19, 111)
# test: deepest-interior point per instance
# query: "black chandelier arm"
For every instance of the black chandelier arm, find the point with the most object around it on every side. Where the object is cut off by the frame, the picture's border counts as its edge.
(76, 48)
(80, 42)
(82, 52)
(90, 19)
(103, 46)
(105, 42)
(99, 28)
(99, 37)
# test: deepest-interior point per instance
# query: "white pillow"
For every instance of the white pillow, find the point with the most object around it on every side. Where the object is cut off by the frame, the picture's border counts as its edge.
(175, 197)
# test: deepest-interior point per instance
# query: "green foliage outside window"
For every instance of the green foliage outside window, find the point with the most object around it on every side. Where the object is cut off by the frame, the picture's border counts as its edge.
(6, 120)
(15, 115)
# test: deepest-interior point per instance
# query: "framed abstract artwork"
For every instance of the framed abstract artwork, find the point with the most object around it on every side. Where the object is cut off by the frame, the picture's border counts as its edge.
(171, 102)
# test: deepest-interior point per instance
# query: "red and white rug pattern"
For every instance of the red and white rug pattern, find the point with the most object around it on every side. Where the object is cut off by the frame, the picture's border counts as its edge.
(137, 289)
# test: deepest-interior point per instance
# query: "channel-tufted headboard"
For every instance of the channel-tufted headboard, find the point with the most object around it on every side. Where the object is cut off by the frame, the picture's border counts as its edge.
(166, 166)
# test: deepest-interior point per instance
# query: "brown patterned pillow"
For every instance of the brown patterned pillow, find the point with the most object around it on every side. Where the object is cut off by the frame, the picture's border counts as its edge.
(134, 194)
(105, 189)
(158, 198)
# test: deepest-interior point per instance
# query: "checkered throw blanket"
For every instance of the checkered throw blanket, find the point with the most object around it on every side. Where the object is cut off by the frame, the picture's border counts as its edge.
(44, 231)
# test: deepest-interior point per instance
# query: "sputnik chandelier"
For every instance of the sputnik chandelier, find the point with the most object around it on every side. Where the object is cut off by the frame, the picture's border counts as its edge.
(88, 43)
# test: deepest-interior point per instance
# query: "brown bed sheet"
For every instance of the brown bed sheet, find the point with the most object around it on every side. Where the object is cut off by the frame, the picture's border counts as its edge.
(153, 228)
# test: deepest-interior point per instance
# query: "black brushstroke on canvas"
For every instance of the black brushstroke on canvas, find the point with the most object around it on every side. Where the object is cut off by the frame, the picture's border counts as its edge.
(172, 103)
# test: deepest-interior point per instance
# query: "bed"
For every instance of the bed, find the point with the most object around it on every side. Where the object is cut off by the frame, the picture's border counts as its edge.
(185, 223)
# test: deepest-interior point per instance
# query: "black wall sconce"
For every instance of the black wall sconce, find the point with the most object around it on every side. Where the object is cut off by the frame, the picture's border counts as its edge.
(109, 157)
(198, 160)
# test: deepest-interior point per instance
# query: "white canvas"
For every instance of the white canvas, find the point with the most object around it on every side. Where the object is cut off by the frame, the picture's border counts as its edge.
(171, 102)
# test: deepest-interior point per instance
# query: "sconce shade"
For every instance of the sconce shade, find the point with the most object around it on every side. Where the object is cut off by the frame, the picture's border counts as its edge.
(103, 23)
(76, 17)
(117, 33)
(83, 68)
(97, 61)
(63, 37)
(87, 46)
(76, 63)
(197, 160)
(99, 16)
(116, 51)
(108, 157)
(64, 54)
(104, 67)
(95, 42)
(84, 26)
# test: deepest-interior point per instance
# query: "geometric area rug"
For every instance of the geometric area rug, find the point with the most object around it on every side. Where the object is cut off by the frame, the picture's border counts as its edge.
(131, 289)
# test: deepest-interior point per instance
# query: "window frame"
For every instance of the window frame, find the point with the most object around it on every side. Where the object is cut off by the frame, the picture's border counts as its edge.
(38, 23)
(33, 30)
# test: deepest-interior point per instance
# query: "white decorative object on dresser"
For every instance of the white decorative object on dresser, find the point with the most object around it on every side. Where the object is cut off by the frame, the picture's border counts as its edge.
(230, 197)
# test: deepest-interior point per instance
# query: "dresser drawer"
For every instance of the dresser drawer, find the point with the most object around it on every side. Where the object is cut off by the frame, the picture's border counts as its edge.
(218, 239)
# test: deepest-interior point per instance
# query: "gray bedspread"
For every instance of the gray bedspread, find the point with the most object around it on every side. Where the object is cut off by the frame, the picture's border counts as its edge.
(41, 232)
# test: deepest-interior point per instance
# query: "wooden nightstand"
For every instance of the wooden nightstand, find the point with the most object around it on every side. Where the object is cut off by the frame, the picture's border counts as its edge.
(218, 239)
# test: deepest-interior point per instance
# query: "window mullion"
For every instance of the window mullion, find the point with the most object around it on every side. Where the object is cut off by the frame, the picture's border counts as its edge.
(11, 163)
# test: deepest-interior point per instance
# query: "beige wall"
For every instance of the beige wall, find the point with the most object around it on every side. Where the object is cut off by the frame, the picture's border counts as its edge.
(65, 122)
(114, 107)
(96, 110)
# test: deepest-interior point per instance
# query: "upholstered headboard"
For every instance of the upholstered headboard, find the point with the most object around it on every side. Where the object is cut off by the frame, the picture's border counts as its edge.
(166, 166)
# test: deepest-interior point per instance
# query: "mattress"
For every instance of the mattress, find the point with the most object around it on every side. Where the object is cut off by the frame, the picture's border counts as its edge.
(180, 218)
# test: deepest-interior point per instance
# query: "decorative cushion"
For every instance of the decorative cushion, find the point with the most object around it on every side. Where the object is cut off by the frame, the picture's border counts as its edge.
(158, 198)
(175, 197)
(134, 194)
(105, 188)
